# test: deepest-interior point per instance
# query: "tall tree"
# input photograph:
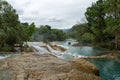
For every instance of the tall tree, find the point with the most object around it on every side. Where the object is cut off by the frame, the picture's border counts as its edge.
(8, 24)
(95, 17)
(11, 30)
(112, 9)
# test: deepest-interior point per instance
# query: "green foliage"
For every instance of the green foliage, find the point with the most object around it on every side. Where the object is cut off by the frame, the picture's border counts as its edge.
(95, 17)
(28, 31)
(8, 25)
(31, 29)
(11, 30)
(60, 35)
(88, 36)
(103, 24)
(82, 32)
(45, 33)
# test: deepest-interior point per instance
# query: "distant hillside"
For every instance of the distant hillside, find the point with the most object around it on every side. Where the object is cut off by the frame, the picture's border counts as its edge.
(66, 30)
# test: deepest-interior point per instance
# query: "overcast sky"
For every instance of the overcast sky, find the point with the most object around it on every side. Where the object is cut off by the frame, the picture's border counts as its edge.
(60, 14)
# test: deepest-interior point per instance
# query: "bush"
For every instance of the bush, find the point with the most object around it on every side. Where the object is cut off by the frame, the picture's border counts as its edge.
(6, 48)
(109, 45)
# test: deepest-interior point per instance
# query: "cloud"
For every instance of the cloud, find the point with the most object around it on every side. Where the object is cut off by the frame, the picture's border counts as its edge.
(54, 19)
(20, 11)
(56, 13)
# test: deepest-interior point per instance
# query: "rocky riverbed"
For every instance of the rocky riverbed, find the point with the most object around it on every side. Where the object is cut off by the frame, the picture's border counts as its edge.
(31, 66)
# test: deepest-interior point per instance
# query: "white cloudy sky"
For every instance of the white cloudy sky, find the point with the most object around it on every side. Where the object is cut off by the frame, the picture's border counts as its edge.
(60, 14)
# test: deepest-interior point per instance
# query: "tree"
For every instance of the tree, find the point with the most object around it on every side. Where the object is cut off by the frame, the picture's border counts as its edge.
(47, 34)
(31, 30)
(60, 35)
(8, 25)
(95, 17)
(11, 30)
(83, 32)
(112, 9)
(28, 31)
(103, 24)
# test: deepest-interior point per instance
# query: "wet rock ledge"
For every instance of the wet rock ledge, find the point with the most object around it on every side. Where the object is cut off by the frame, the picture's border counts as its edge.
(31, 66)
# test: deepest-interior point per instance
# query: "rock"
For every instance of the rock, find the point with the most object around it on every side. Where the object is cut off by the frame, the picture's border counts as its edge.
(86, 66)
(6, 75)
(57, 47)
(46, 67)
(110, 55)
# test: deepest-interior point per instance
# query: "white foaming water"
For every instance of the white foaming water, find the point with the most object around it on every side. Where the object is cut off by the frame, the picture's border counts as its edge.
(49, 49)
(35, 43)
(66, 47)
(55, 52)
(75, 55)
(81, 56)
(43, 50)
(40, 49)
(3, 57)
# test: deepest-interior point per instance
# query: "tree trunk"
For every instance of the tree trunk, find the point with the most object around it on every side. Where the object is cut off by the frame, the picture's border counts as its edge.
(116, 41)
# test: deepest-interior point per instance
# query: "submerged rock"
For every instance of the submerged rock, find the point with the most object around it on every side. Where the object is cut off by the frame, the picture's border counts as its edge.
(46, 67)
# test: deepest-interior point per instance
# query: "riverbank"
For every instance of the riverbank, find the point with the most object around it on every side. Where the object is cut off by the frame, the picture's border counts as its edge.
(31, 66)
(109, 56)
(56, 58)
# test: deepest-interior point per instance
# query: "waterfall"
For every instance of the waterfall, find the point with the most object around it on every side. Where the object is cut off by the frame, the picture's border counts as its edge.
(44, 48)
(40, 49)
(55, 52)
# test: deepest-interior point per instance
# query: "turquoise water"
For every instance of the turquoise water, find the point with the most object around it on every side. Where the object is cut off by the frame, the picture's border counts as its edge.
(87, 51)
(109, 68)
(84, 50)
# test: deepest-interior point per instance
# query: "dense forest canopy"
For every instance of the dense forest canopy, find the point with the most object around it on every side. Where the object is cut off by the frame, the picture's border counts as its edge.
(103, 24)
(45, 33)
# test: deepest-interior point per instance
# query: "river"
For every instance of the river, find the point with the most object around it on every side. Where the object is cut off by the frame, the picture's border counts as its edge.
(109, 68)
